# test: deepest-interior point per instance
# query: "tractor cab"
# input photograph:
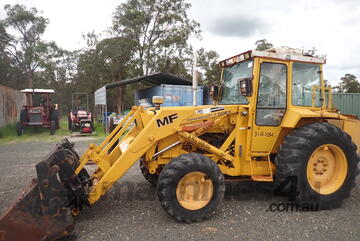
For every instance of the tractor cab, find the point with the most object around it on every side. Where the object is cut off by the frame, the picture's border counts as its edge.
(271, 86)
(274, 79)
(38, 111)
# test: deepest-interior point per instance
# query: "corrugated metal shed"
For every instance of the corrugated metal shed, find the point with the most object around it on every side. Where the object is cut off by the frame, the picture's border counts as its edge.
(11, 102)
(347, 103)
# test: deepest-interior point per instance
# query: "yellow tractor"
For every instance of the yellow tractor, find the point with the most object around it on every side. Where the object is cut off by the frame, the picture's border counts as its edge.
(272, 121)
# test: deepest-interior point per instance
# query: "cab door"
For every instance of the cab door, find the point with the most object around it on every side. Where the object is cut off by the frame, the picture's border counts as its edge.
(271, 101)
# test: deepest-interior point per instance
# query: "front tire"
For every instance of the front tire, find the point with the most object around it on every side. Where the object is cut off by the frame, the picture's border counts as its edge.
(191, 187)
(151, 178)
(322, 161)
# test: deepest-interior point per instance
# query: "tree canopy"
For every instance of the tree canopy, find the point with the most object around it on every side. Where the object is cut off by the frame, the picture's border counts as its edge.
(159, 30)
(263, 44)
(25, 47)
(348, 84)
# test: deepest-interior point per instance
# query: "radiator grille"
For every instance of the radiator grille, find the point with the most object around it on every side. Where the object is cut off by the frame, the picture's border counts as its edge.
(35, 117)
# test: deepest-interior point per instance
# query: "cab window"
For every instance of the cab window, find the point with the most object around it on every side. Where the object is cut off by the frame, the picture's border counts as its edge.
(304, 77)
(271, 102)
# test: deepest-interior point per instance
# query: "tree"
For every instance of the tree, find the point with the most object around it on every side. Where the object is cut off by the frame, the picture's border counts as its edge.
(25, 46)
(58, 74)
(160, 29)
(348, 84)
(105, 61)
(208, 64)
(263, 44)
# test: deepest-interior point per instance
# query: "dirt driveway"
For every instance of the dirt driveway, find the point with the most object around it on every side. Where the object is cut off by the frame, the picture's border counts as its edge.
(131, 211)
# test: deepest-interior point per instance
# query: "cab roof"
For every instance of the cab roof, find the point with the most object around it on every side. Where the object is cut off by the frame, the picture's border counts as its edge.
(281, 53)
(38, 91)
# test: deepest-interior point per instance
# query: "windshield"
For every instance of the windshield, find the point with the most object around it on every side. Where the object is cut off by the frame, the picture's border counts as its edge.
(230, 88)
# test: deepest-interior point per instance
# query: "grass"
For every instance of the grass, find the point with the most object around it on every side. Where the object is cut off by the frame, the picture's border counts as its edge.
(39, 134)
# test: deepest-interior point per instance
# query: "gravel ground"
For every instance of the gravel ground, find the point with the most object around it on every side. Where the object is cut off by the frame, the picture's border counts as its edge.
(131, 211)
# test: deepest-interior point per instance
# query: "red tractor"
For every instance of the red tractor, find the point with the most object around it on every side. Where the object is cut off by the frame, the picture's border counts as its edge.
(80, 118)
(38, 111)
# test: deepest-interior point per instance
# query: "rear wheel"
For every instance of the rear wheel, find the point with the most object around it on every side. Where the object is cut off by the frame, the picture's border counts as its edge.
(54, 115)
(92, 125)
(322, 160)
(73, 127)
(191, 187)
(19, 129)
(52, 127)
(69, 122)
(24, 116)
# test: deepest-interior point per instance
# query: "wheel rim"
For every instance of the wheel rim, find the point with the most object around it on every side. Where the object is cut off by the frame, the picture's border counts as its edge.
(194, 191)
(327, 169)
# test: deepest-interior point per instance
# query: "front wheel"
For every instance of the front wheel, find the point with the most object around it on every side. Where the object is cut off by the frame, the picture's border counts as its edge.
(151, 178)
(322, 162)
(190, 187)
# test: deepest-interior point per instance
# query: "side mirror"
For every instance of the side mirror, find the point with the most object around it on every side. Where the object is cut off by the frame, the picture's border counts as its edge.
(245, 86)
(214, 92)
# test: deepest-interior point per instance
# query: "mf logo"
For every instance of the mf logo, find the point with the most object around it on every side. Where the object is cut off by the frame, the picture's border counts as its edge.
(167, 120)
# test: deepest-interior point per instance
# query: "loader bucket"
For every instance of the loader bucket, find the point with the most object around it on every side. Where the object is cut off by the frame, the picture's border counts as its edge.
(43, 210)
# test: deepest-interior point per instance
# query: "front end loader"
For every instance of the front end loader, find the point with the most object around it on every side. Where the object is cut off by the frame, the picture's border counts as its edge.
(273, 121)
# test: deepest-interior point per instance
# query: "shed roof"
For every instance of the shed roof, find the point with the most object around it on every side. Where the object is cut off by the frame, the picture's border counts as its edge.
(38, 91)
(154, 79)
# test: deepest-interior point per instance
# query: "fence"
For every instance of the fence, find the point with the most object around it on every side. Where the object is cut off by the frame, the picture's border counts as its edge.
(347, 103)
(11, 102)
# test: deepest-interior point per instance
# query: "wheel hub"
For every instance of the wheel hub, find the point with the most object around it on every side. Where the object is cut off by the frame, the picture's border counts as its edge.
(194, 191)
(327, 169)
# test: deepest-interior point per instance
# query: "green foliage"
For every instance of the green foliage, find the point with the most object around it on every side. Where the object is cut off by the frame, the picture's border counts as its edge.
(8, 131)
(160, 30)
(25, 46)
(348, 84)
(263, 44)
(208, 63)
(99, 129)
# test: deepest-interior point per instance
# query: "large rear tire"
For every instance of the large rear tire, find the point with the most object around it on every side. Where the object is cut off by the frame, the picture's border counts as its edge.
(24, 116)
(73, 127)
(322, 161)
(54, 115)
(52, 127)
(191, 187)
(19, 129)
(69, 122)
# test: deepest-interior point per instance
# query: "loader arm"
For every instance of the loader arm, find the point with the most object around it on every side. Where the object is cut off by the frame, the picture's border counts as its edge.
(124, 147)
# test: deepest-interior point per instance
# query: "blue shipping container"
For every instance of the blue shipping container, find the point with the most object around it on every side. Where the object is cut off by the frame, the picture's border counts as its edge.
(174, 95)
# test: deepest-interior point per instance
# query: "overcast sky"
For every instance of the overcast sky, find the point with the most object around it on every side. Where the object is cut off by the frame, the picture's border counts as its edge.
(231, 26)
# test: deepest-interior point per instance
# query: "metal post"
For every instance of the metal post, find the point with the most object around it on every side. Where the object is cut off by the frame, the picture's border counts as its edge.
(195, 80)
